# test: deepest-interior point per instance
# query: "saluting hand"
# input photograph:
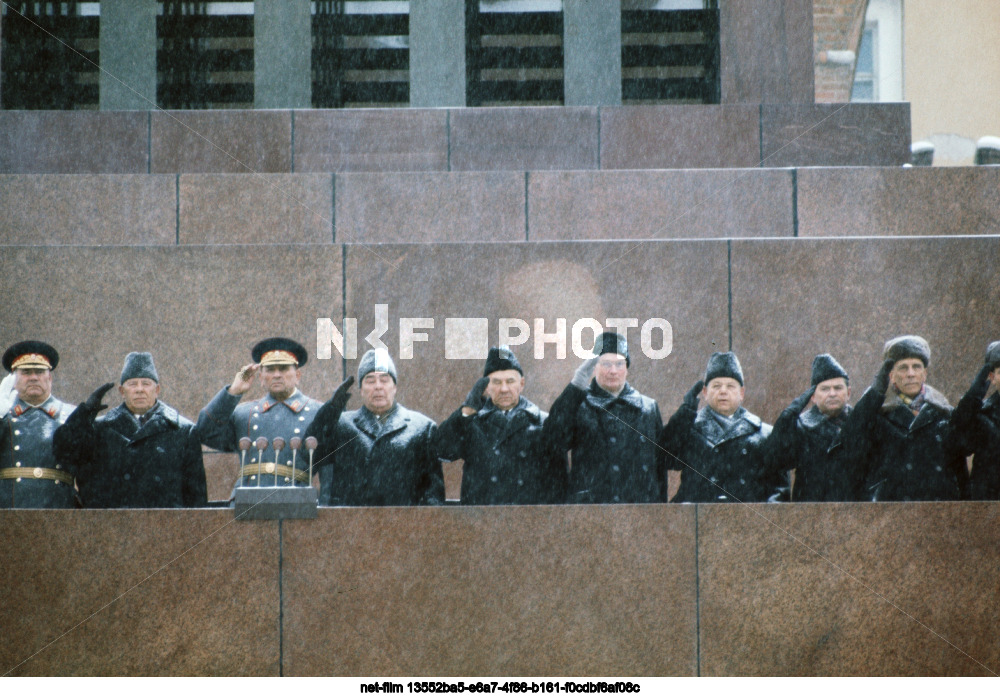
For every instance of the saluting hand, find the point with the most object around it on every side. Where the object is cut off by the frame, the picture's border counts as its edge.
(881, 383)
(476, 399)
(691, 398)
(244, 379)
(93, 402)
(583, 374)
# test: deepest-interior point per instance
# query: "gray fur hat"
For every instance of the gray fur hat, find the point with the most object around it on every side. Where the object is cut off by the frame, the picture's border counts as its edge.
(908, 346)
(993, 354)
(724, 365)
(826, 367)
(139, 365)
(376, 361)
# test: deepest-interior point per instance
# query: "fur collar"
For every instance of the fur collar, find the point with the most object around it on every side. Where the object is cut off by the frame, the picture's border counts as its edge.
(931, 396)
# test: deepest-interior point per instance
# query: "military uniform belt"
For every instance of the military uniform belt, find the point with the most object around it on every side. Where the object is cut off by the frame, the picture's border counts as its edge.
(269, 468)
(36, 473)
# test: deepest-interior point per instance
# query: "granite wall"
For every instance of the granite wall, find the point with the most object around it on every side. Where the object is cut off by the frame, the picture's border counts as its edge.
(630, 590)
(782, 132)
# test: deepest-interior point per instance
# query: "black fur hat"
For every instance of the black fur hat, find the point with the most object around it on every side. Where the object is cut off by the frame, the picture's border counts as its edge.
(501, 358)
(610, 342)
(825, 367)
(908, 346)
(724, 365)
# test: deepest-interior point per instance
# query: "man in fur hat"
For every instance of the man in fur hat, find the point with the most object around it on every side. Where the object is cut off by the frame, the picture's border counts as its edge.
(901, 429)
(719, 449)
(283, 412)
(498, 433)
(811, 441)
(141, 454)
(610, 429)
(382, 454)
(30, 475)
(976, 421)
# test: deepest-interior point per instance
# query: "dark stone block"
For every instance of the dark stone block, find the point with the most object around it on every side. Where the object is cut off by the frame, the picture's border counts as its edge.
(524, 138)
(644, 205)
(371, 140)
(811, 135)
(679, 137)
(238, 141)
(899, 201)
(74, 142)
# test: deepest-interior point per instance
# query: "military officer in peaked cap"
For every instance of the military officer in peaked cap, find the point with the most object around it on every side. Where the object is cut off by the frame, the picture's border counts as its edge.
(284, 411)
(30, 475)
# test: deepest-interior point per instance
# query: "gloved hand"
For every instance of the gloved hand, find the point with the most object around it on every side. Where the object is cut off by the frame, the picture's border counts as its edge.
(981, 383)
(476, 399)
(583, 374)
(691, 398)
(800, 402)
(93, 404)
(881, 383)
(324, 424)
(341, 395)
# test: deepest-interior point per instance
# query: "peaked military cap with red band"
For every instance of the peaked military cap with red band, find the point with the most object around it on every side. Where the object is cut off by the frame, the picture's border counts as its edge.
(279, 351)
(30, 354)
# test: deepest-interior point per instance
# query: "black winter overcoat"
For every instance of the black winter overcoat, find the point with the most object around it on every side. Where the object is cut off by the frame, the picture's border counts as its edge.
(907, 457)
(120, 465)
(506, 461)
(612, 442)
(364, 463)
(720, 466)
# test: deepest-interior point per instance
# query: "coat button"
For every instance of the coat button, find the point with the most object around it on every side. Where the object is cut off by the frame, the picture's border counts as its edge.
(17, 464)
(302, 418)
(255, 427)
(288, 479)
(642, 439)
(520, 482)
(127, 476)
(612, 439)
(307, 408)
(17, 432)
(298, 430)
(17, 447)
(58, 467)
(253, 460)
(909, 466)
(615, 468)
(493, 478)
(645, 468)
(938, 468)
(616, 499)
(496, 451)
(744, 451)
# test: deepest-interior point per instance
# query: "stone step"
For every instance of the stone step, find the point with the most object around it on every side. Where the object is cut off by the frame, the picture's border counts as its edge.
(455, 139)
(411, 207)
